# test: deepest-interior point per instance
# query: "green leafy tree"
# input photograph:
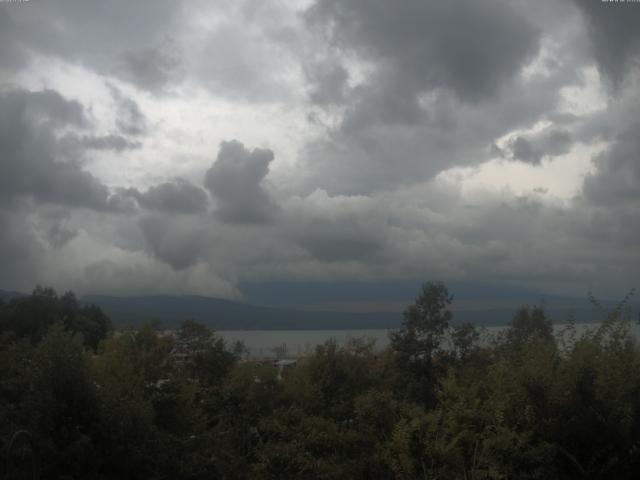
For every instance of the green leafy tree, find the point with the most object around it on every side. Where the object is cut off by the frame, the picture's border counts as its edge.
(530, 324)
(64, 407)
(418, 343)
(464, 339)
(31, 317)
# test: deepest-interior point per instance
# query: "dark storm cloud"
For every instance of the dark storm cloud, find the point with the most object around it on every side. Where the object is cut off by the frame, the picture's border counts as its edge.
(470, 47)
(377, 148)
(177, 196)
(435, 84)
(235, 180)
(30, 161)
(532, 148)
(614, 35)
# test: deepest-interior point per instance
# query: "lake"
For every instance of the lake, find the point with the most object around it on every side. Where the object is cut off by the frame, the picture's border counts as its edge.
(265, 343)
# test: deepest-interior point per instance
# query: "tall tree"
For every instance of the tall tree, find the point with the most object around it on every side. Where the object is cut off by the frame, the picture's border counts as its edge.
(417, 343)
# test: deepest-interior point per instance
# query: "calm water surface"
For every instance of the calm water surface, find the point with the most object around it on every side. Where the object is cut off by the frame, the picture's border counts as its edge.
(269, 343)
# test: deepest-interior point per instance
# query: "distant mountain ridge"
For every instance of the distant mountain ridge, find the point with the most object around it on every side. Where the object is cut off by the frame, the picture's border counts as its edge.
(232, 315)
(229, 315)
(219, 314)
(8, 295)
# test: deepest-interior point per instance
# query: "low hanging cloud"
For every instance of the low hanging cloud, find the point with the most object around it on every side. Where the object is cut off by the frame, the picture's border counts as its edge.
(173, 242)
(334, 229)
(236, 182)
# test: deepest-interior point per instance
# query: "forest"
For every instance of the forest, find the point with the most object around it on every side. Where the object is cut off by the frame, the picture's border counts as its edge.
(79, 400)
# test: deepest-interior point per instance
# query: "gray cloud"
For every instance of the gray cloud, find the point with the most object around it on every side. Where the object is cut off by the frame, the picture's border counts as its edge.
(45, 106)
(372, 150)
(177, 196)
(613, 34)
(397, 93)
(20, 251)
(435, 85)
(334, 229)
(616, 183)
(130, 119)
(99, 34)
(434, 45)
(532, 148)
(251, 53)
(30, 161)
(235, 180)
(56, 227)
(13, 55)
(523, 150)
(152, 68)
(328, 82)
(108, 142)
(59, 235)
(179, 245)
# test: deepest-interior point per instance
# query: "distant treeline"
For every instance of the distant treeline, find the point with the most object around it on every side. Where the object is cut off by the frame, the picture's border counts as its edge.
(80, 402)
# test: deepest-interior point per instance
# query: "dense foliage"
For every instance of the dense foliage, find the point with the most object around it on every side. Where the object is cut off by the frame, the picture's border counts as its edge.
(80, 402)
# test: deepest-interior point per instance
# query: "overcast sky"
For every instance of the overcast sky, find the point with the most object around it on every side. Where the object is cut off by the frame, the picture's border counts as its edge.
(193, 147)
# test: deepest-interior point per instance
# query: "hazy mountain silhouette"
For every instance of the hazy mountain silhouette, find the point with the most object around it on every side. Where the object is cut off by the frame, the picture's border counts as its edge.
(228, 315)
(219, 314)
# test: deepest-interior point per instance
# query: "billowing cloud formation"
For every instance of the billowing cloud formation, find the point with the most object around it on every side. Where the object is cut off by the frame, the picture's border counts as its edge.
(430, 86)
(33, 160)
(470, 47)
(485, 141)
(236, 181)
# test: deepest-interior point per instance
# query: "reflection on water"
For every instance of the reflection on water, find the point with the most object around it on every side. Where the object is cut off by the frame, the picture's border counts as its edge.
(293, 343)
